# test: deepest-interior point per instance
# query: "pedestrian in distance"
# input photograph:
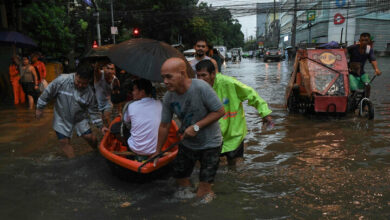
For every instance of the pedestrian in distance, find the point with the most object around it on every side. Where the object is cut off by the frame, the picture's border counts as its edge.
(74, 101)
(198, 108)
(14, 76)
(201, 50)
(232, 93)
(40, 68)
(29, 81)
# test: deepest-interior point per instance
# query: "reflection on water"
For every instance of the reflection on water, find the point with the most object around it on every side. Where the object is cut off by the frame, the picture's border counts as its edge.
(307, 167)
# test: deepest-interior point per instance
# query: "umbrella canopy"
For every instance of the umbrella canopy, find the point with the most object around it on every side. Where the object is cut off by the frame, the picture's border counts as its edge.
(144, 57)
(16, 38)
(98, 52)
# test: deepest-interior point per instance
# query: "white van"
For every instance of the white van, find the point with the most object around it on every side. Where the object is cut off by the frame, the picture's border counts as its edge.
(189, 54)
(222, 50)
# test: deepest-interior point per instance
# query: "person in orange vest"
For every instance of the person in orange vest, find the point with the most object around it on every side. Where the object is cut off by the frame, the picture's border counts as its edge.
(40, 68)
(19, 96)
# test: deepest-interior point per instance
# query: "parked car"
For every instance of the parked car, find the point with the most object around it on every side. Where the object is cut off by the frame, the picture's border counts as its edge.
(273, 54)
(228, 56)
(222, 50)
(189, 54)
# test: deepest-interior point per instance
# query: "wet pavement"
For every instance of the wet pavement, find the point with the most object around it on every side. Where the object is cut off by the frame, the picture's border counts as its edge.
(307, 167)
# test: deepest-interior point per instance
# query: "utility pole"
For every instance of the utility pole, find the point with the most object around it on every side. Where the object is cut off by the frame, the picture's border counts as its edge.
(274, 10)
(294, 26)
(346, 25)
(112, 20)
(97, 23)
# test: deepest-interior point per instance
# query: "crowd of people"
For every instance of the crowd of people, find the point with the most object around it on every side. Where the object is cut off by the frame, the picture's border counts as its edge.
(28, 78)
(209, 108)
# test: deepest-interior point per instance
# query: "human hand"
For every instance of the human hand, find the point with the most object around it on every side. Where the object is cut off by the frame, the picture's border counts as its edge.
(156, 159)
(268, 123)
(104, 130)
(377, 72)
(36, 87)
(38, 113)
(189, 132)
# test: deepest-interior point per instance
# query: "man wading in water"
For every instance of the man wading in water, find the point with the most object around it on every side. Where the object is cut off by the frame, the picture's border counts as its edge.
(198, 109)
(75, 100)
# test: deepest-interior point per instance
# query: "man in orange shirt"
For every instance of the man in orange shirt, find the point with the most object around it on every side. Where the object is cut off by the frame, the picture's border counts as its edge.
(19, 96)
(40, 66)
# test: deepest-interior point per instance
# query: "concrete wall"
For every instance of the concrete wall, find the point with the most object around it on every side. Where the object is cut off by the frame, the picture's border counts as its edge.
(379, 29)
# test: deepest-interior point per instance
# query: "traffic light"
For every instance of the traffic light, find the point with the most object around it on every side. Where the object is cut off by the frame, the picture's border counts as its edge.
(94, 45)
(135, 32)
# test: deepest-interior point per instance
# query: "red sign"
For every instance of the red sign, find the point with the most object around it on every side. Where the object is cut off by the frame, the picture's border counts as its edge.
(338, 19)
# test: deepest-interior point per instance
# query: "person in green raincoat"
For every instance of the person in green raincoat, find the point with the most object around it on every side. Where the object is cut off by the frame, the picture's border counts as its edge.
(232, 93)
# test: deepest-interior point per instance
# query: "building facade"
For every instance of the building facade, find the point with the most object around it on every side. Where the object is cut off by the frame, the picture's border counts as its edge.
(341, 21)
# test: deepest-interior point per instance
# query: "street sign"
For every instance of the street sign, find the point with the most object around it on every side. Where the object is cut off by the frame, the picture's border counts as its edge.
(311, 15)
(114, 30)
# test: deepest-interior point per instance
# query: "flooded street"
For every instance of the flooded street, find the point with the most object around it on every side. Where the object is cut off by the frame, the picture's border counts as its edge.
(306, 167)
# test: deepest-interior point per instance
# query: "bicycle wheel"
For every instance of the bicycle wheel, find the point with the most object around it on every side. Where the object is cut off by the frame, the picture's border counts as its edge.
(366, 109)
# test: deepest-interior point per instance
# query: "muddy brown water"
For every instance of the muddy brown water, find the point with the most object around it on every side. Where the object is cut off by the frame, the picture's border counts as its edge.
(306, 167)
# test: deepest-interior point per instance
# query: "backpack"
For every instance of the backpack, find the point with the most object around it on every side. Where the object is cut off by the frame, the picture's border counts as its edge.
(125, 126)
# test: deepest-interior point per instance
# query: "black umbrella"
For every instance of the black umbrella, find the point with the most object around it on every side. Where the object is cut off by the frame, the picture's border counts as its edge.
(144, 57)
(16, 38)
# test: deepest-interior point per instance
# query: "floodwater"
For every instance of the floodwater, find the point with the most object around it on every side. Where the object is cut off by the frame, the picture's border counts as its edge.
(306, 167)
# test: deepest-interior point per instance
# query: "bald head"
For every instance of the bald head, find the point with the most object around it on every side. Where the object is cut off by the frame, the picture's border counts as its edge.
(174, 64)
(174, 74)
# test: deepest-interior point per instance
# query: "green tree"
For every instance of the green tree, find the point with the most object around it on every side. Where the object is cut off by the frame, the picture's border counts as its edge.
(48, 24)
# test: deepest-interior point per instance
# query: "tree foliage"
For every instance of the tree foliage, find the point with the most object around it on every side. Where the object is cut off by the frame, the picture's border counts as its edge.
(60, 29)
(48, 24)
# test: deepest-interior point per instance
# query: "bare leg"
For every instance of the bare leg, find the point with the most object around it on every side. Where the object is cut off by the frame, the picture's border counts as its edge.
(67, 148)
(30, 101)
(204, 188)
(107, 117)
(91, 139)
(183, 182)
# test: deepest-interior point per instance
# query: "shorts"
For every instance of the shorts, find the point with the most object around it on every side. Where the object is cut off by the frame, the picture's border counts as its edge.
(357, 82)
(29, 89)
(186, 158)
(61, 136)
(237, 153)
(105, 107)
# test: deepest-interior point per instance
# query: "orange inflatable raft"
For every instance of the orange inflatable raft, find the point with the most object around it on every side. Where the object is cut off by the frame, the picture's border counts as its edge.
(110, 146)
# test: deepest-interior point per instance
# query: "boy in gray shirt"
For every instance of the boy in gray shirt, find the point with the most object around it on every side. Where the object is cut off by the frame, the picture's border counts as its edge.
(199, 109)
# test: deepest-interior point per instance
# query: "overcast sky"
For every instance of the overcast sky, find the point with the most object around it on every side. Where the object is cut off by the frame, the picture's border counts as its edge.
(248, 22)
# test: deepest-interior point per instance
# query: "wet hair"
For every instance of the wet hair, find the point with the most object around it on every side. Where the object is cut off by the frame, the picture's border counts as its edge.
(365, 34)
(143, 84)
(205, 64)
(84, 71)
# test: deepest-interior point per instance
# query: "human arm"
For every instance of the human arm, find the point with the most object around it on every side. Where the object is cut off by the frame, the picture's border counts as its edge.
(48, 94)
(209, 119)
(95, 115)
(245, 92)
(375, 66)
(43, 70)
(32, 69)
(115, 86)
(163, 131)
